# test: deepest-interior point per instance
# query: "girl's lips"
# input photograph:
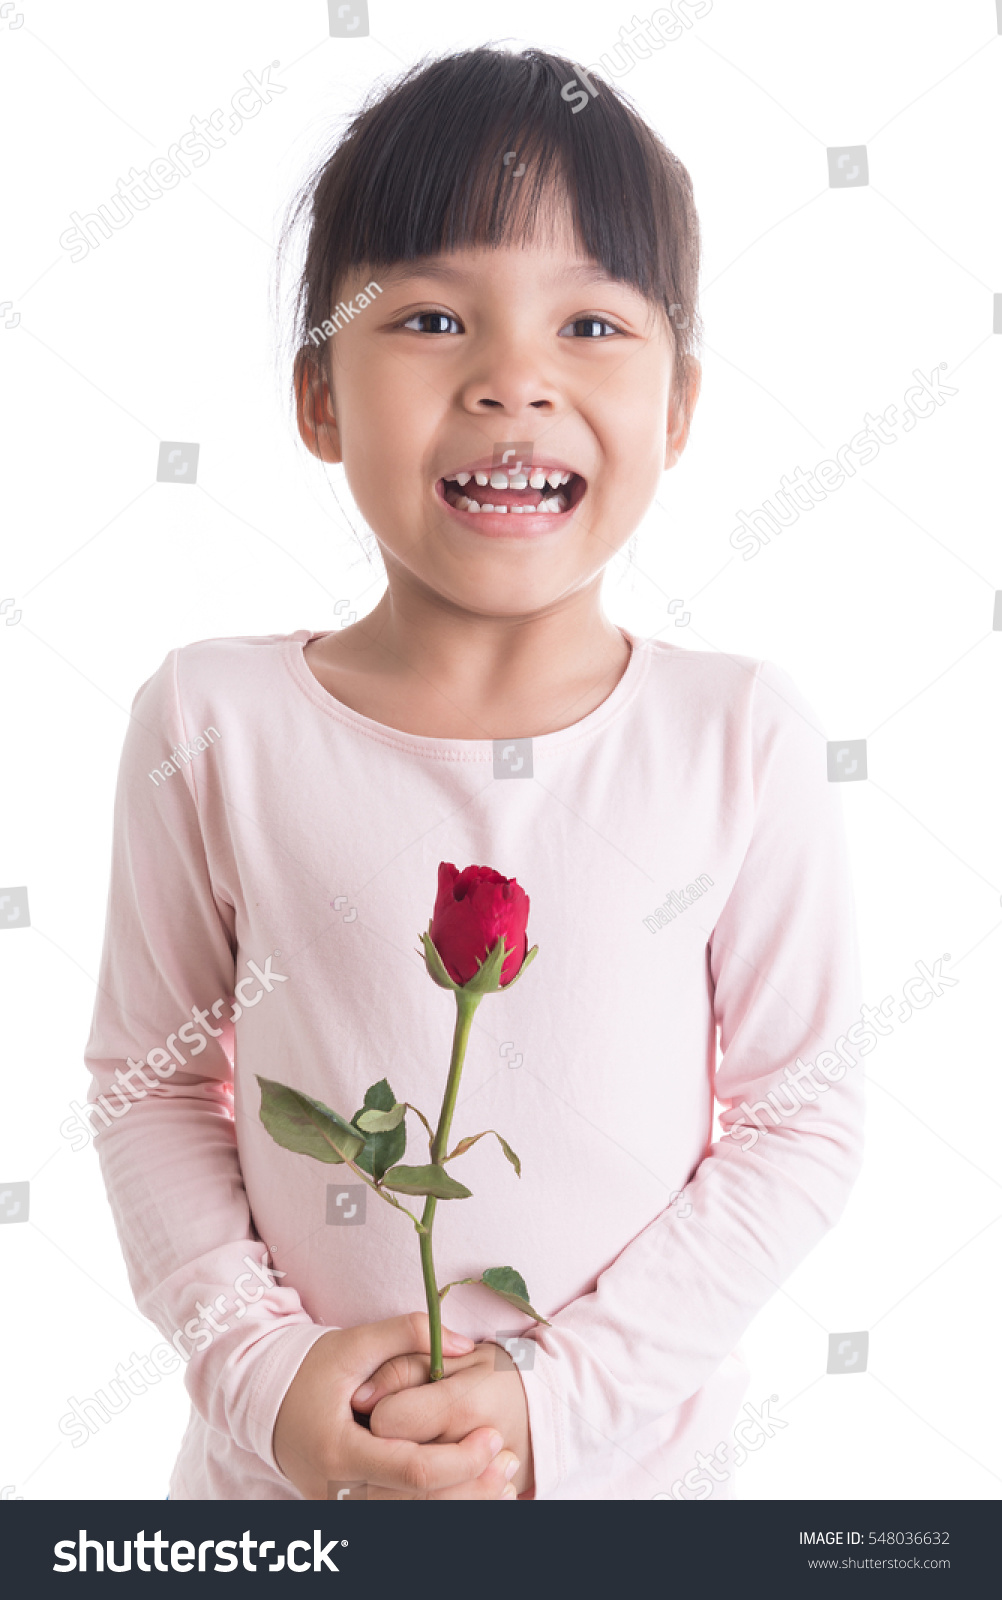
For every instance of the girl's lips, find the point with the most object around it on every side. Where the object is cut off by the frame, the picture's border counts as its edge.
(517, 524)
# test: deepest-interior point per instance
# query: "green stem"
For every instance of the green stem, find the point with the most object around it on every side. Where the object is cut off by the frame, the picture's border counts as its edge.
(430, 1289)
(466, 1005)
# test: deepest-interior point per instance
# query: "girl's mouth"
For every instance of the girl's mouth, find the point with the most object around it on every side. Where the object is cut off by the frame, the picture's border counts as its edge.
(531, 500)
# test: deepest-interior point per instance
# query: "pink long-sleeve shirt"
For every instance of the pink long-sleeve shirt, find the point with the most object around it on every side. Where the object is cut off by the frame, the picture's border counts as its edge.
(275, 859)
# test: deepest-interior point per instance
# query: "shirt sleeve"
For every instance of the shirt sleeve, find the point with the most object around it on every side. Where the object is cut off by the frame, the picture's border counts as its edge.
(784, 971)
(165, 1137)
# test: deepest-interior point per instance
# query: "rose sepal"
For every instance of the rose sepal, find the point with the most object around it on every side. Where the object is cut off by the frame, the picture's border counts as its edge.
(529, 955)
(436, 966)
(487, 978)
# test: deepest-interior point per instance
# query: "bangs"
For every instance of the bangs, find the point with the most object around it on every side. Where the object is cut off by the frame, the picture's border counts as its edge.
(480, 149)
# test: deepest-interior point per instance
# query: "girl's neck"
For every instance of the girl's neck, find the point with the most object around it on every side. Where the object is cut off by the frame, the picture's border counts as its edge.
(448, 674)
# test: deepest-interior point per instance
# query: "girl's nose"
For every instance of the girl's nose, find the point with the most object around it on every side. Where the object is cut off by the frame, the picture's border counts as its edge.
(509, 383)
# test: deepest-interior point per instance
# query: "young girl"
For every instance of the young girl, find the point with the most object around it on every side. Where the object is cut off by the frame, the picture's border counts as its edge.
(508, 283)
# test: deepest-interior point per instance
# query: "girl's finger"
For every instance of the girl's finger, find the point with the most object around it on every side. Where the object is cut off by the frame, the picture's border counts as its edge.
(427, 1411)
(422, 1469)
(369, 1345)
(402, 1372)
(496, 1483)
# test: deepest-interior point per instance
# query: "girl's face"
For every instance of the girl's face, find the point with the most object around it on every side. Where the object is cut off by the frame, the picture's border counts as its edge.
(475, 352)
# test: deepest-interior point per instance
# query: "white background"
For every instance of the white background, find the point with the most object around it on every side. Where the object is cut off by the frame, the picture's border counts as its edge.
(819, 304)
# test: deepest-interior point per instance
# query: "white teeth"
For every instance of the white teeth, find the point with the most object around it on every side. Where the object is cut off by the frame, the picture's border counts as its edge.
(537, 478)
(552, 503)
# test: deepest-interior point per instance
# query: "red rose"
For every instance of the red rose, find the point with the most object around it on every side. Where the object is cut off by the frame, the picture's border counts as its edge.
(473, 910)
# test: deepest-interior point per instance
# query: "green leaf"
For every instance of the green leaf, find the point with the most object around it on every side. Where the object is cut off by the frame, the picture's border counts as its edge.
(510, 1285)
(468, 1143)
(299, 1123)
(379, 1097)
(431, 1179)
(381, 1150)
(382, 1147)
(381, 1121)
(509, 1152)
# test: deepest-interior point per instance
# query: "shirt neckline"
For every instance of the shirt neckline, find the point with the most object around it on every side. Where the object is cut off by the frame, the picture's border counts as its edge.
(465, 749)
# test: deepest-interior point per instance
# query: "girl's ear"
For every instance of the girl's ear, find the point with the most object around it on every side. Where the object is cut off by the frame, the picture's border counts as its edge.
(681, 405)
(315, 409)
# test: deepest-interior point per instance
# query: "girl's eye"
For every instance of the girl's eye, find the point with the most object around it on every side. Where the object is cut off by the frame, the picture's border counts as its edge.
(589, 328)
(436, 318)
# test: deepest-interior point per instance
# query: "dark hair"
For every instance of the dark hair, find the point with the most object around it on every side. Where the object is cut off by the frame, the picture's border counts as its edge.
(420, 169)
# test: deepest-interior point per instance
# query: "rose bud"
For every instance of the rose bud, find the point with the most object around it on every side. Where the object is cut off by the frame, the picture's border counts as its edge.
(474, 910)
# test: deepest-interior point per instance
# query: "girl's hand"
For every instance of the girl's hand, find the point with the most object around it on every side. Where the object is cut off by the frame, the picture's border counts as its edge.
(318, 1442)
(480, 1390)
